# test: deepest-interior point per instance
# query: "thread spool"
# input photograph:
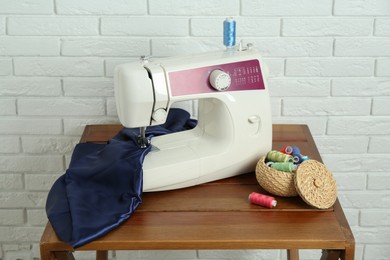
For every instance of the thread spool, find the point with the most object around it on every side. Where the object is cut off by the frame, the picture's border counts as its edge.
(295, 151)
(287, 150)
(229, 32)
(262, 200)
(284, 166)
(305, 158)
(277, 156)
(269, 164)
(297, 158)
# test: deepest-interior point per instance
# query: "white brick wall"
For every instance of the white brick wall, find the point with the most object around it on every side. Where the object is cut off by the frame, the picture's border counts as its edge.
(58, 66)
(327, 27)
(286, 8)
(9, 144)
(382, 69)
(101, 7)
(382, 27)
(49, 25)
(2, 25)
(5, 67)
(157, 26)
(248, 27)
(38, 46)
(329, 65)
(361, 7)
(11, 7)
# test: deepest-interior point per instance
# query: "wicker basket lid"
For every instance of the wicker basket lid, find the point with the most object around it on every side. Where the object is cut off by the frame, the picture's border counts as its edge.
(315, 184)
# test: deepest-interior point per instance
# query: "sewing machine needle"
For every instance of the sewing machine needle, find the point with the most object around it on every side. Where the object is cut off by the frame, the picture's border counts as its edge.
(143, 142)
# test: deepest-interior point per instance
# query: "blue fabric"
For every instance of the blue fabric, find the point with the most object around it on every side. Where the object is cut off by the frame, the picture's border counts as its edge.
(103, 184)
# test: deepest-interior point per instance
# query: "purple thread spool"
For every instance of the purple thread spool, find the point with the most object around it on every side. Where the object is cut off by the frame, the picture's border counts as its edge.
(295, 151)
(297, 158)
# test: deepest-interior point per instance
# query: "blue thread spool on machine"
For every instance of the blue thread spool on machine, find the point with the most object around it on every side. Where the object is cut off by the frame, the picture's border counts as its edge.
(229, 32)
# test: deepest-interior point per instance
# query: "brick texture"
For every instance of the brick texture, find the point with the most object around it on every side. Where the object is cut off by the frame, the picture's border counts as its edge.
(248, 27)
(30, 86)
(58, 66)
(50, 25)
(200, 7)
(101, 7)
(286, 8)
(382, 27)
(157, 26)
(382, 67)
(5, 67)
(27, 7)
(327, 27)
(38, 46)
(330, 67)
(361, 7)
(2, 25)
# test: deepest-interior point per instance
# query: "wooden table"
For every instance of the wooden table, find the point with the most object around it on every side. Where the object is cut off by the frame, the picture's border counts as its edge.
(217, 215)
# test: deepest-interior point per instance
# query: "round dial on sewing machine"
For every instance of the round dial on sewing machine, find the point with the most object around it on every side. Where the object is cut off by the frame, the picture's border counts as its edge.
(220, 80)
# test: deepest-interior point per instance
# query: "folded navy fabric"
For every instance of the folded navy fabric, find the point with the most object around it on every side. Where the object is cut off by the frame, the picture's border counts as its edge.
(103, 185)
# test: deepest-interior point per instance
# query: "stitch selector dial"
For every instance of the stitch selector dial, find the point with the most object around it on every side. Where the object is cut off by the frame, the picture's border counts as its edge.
(220, 80)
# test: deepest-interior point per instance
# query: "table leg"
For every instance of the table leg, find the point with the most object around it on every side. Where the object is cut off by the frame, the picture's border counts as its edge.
(102, 255)
(47, 255)
(349, 253)
(292, 254)
(330, 254)
(64, 255)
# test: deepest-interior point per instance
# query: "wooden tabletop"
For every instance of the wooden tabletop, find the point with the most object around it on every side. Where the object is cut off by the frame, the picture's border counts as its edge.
(217, 215)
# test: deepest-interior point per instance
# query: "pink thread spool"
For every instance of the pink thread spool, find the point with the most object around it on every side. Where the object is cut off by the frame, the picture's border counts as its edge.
(262, 200)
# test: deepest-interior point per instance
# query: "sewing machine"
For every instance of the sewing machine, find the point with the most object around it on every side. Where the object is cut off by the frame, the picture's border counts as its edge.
(234, 119)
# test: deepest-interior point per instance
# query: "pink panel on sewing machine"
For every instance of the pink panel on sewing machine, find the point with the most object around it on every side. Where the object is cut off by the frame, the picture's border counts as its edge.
(245, 75)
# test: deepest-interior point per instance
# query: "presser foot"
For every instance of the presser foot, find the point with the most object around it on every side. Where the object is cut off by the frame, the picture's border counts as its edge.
(142, 141)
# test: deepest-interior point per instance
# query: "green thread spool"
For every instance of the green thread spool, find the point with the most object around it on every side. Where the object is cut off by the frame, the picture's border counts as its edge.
(284, 166)
(277, 156)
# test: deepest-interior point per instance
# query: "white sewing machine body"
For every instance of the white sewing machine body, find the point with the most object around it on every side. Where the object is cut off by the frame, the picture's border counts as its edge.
(234, 125)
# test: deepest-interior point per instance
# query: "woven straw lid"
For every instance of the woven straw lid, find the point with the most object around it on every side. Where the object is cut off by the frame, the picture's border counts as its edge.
(315, 184)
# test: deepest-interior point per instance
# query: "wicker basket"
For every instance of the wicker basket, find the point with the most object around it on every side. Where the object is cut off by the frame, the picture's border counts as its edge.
(275, 182)
(313, 182)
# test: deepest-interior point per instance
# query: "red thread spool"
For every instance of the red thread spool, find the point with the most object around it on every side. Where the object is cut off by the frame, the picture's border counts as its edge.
(287, 150)
(262, 200)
